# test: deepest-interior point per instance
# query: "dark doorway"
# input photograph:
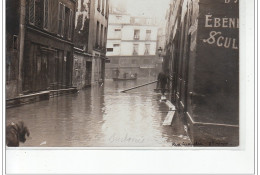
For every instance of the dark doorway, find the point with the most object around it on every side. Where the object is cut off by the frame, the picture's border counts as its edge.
(88, 73)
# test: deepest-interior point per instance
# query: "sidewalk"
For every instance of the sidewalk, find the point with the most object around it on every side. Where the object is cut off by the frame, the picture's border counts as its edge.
(39, 96)
(174, 120)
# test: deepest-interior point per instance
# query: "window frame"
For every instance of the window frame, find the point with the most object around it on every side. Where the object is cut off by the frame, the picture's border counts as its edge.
(70, 24)
(98, 5)
(116, 45)
(32, 23)
(135, 52)
(44, 15)
(103, 7)
(97, 32)
(101, 35)
(147, 51)
(137, 38)
(61, 33)
(146, 36)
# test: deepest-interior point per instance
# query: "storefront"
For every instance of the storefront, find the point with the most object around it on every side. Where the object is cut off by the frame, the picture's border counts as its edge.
(204, 64)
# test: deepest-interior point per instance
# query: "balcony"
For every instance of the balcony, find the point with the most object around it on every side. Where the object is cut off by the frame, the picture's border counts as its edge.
(136, 37)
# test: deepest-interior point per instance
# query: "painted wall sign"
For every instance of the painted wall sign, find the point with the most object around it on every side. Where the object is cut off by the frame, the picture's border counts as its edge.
(217, 62)
(221, 24)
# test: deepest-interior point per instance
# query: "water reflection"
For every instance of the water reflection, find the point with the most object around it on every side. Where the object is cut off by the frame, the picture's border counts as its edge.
(99, 116)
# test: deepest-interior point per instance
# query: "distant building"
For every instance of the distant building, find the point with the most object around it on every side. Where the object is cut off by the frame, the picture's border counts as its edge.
(131, 46)
(39, 42)
(91, 23)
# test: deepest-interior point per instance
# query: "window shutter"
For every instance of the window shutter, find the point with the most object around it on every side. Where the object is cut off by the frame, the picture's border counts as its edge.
(31, 11)
(70, 25)
(63, 19)
(46, 14)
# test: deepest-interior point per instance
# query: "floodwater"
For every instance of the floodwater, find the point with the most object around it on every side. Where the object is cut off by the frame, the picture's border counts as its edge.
(100, 116)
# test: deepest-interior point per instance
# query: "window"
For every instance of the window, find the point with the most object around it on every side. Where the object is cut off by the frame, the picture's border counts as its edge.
(31, 11)
(46, 14)
(61, 19)
(116, 45)
(97, 34)
(15, 42)
(70, 24)
(136, 34)
(38, 13)
(148, 21)
(99, 2)
(107, 8)
(118, 17)
(101, 35)
(135, 49)
(105, 37)
(147, 49)
(148, 34)
(103, 7)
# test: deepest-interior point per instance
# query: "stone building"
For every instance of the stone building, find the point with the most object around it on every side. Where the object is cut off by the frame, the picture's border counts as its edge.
(99, 13)
(82, 62)
(40, 45)
(131, 46)
(202, 54)
(90, 42)
(12, 47)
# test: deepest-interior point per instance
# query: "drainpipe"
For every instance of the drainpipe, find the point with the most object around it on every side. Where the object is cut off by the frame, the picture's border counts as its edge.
(21, 44)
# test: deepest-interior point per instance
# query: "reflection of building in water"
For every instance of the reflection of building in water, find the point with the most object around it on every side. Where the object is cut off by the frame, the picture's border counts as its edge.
(131, 44)
(202, 56)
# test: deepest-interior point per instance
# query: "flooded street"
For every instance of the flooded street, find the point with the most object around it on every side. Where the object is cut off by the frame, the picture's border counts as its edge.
(100, 116)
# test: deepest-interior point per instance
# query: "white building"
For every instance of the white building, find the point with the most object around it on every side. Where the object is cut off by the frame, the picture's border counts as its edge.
(131, 45)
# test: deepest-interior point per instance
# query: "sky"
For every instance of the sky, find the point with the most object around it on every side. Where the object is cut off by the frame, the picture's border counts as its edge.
(152, 8)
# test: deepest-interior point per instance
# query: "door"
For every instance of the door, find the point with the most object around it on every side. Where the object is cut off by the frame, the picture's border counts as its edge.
(88, 73)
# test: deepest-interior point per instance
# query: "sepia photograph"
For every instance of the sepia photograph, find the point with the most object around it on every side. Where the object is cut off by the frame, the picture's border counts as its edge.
(122, 73)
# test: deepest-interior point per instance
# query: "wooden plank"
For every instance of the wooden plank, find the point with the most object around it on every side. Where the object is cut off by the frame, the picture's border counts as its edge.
(169, 118)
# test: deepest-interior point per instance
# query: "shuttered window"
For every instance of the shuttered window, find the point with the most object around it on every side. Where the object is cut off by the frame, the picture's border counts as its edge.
(61, 19)
(101, 36)
(103, 6)
(70, 25)
(39, 13)
(107, 8)
(105, 37)
(46, 14)
(99, 2)
(31, 11)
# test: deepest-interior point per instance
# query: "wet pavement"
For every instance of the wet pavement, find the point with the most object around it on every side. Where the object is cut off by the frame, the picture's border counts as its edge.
(101, 116)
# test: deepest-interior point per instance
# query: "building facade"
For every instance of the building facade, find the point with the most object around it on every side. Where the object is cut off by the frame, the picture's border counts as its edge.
(131, 46)
(202, 54)
(82, 62)
(99, 13)
(12, 47)
(44, 53)
(42, 46)
(90, 42)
